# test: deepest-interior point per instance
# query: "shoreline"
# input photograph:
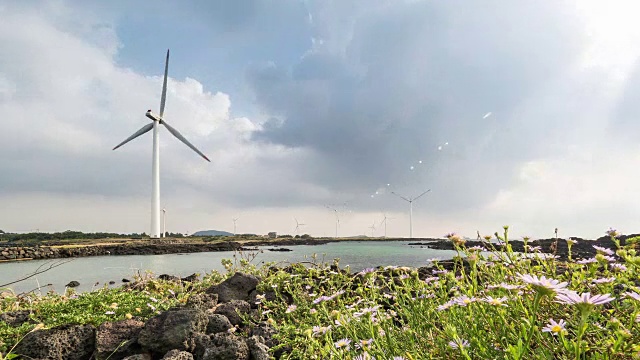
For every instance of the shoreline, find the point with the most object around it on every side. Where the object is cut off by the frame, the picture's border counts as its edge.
(101, 247)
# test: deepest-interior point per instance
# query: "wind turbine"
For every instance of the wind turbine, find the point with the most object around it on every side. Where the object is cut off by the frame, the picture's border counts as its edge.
(384, 221)
(234, 225)
(373, 228)
(335, 211)
(410, 201)
(298, 224)
(164, 222)
(158, 120)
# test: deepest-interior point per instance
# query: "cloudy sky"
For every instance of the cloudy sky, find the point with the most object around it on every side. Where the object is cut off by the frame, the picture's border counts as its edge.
(511, 112)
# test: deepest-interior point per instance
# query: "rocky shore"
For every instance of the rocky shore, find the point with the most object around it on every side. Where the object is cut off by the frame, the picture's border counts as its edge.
(582, 248)
(211, 325)
(152, 247)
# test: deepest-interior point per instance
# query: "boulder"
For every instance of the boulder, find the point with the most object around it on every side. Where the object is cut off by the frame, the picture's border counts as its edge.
(257, 348)
(202, 301)
(233, 309)
(236, 287)
(172, 330)
(168, 277)
(266, 332)
(73, 284)
(16, 318)
(177, 355)
(225, 346)
(116, 340)
(218, 323)
(69, 342)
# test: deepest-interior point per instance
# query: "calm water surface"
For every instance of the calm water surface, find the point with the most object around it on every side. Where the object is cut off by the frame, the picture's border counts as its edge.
(102, 269)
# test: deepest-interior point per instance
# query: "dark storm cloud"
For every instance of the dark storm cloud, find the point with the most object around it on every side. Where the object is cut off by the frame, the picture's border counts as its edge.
(417, 74)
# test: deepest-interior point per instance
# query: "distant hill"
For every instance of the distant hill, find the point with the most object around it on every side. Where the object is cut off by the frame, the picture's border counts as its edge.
(212, 233)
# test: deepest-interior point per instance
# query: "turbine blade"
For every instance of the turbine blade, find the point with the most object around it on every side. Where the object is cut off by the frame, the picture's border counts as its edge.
(421, 195)
(177, 134)
(144, 129)
(163, 99)
(400, 196)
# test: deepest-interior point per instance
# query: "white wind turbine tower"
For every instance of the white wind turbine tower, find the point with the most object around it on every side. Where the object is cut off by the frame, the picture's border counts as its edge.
(298, 224)
(410, 201)
(158, 120)
(234, 225)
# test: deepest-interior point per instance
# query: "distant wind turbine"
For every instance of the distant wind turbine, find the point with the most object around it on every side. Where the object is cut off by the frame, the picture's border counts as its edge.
(410, 201)
(234, 225)
(373, 228)
(158, 120)
(384, 221)
(335, 211)
(298, 225)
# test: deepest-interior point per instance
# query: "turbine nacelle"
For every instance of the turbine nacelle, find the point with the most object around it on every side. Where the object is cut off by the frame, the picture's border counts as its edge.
(153, 116)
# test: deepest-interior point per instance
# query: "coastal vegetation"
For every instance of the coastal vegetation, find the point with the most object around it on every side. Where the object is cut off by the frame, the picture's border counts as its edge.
(489, 302)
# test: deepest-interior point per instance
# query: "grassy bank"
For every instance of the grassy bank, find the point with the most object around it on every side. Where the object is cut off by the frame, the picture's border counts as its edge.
(503, 306)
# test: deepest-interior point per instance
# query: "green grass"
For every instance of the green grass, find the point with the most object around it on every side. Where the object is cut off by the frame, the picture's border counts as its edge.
(467, 312)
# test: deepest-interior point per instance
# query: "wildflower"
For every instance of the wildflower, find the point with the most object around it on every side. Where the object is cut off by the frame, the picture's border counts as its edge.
(618, 267)
(291, 308)
(496, 301)
(543, 285)
(570, 241)
(430, 279)
(603, 250)
(270, 321)
(138, 310)
(343, 343)
(381, 332)
(554, 327)
(128, 316)
(606, 257)
(439, 271)
(456, 239)
(317, 330)
(172, 292)
(153, 299)
(612, 232)
(633, 295)
(399, 358)
(308, 287)
(534, 248)
(366, 271)
(109, 313)
(363, 344)
(603, 280)
(313, 311)
(151, 307)
(459, 343)
(587, 261)
(259, 298)
(584, 302)
(464, 300)
(403, 276)
(445, 306)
